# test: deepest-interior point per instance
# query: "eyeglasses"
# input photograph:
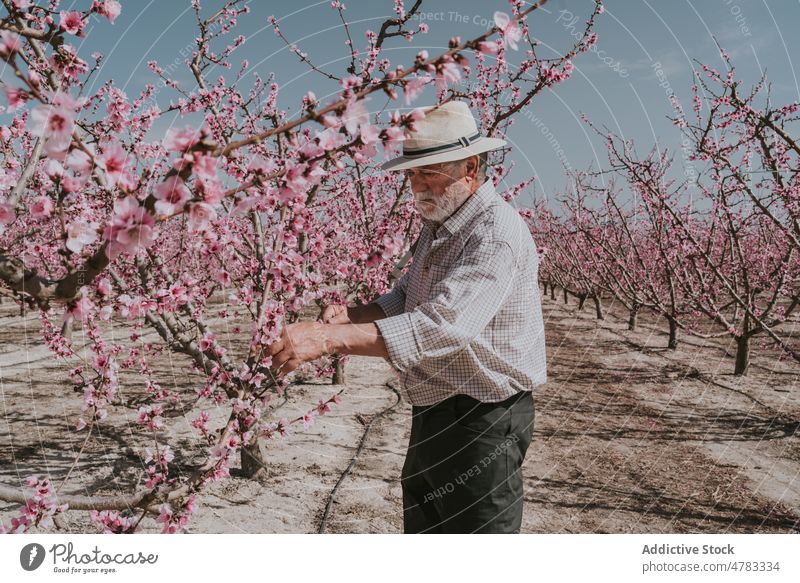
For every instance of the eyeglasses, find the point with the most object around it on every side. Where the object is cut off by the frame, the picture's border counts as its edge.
(412, 173)
(426, 172)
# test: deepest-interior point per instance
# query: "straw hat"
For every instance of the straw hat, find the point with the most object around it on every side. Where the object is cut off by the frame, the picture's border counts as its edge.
(445, 134)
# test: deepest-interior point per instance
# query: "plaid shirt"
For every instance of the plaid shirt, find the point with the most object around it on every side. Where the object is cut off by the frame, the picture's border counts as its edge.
(466, 317)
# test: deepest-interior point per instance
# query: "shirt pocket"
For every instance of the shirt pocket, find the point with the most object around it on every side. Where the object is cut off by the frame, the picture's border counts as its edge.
(443, 261)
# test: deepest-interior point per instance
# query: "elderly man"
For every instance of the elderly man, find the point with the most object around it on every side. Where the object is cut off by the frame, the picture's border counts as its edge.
(462, 328)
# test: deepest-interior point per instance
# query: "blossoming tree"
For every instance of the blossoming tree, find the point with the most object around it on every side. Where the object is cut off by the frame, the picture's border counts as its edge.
(248, 215)
(718, 256)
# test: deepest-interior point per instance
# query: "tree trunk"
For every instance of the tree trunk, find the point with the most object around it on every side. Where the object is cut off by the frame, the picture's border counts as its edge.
(544, 288)
(253, 464)
(67, 327)
(633, 316)
(598, 308)
(552, 292)
(581, 301)
(566, 300)
(338, 370)
(673, 334)
(743, 349)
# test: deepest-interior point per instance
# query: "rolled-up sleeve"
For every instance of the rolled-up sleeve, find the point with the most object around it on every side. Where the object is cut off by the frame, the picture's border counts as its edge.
(393, 303)
(462, 304)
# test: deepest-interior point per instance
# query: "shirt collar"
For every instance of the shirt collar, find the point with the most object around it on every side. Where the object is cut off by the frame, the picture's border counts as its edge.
(473, 206)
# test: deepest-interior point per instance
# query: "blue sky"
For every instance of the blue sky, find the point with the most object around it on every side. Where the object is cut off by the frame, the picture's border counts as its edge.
(649, 50)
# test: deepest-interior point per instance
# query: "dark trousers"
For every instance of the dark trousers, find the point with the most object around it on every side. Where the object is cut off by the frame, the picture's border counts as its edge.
(463, 472)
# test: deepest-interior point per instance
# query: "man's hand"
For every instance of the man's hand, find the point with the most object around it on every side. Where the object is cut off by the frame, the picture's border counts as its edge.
(334, 314)
(299, 343)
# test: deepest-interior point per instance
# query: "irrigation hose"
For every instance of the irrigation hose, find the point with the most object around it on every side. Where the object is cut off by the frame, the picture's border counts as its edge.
(324, 521)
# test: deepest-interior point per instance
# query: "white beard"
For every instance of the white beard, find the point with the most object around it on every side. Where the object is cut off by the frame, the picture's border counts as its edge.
(438, 208)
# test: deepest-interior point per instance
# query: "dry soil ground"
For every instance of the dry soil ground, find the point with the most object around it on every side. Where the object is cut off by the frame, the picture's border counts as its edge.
(629, 437)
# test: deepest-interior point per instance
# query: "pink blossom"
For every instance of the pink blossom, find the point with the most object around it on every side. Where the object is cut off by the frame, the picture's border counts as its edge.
(282, 427)
(171, 195)
(201, 421)
(261, 165)
(42, 207)
(210, 189)
(178, 293)
(331, 121)
(70, 184)
(104, 287)
(555, 75)
(350, 82)
(10, 43)
(108, 8)
(105, 313)
(311, 149)
(72, 22)
(267, 431)
(118, 109)
(165, 516)
(205, 166)
(206, 342)
(369, 133)
(39, 508)
(7, 215)
(488, 47)
(111, 522)
(79, 234)
(67, 62)
(446, 74)
(165, 454)
(150, 416)
(508, 28)
(394, 135)
(200, 215)
(330, 139)
(113, 160)
(296, 181)
(416, 114)
(308, 419)
(79, 162)
(174, 522)
(7, 179)
(80, 308)
(414, 87)
(54, 123)
(223, 277)
(181, 140)
(16, 98)
(131, 228)
(364, 153)
(354, 115)
(53, 169)
(323, 407)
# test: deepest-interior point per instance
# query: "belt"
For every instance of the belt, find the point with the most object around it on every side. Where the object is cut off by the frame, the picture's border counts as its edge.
(452, 401)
